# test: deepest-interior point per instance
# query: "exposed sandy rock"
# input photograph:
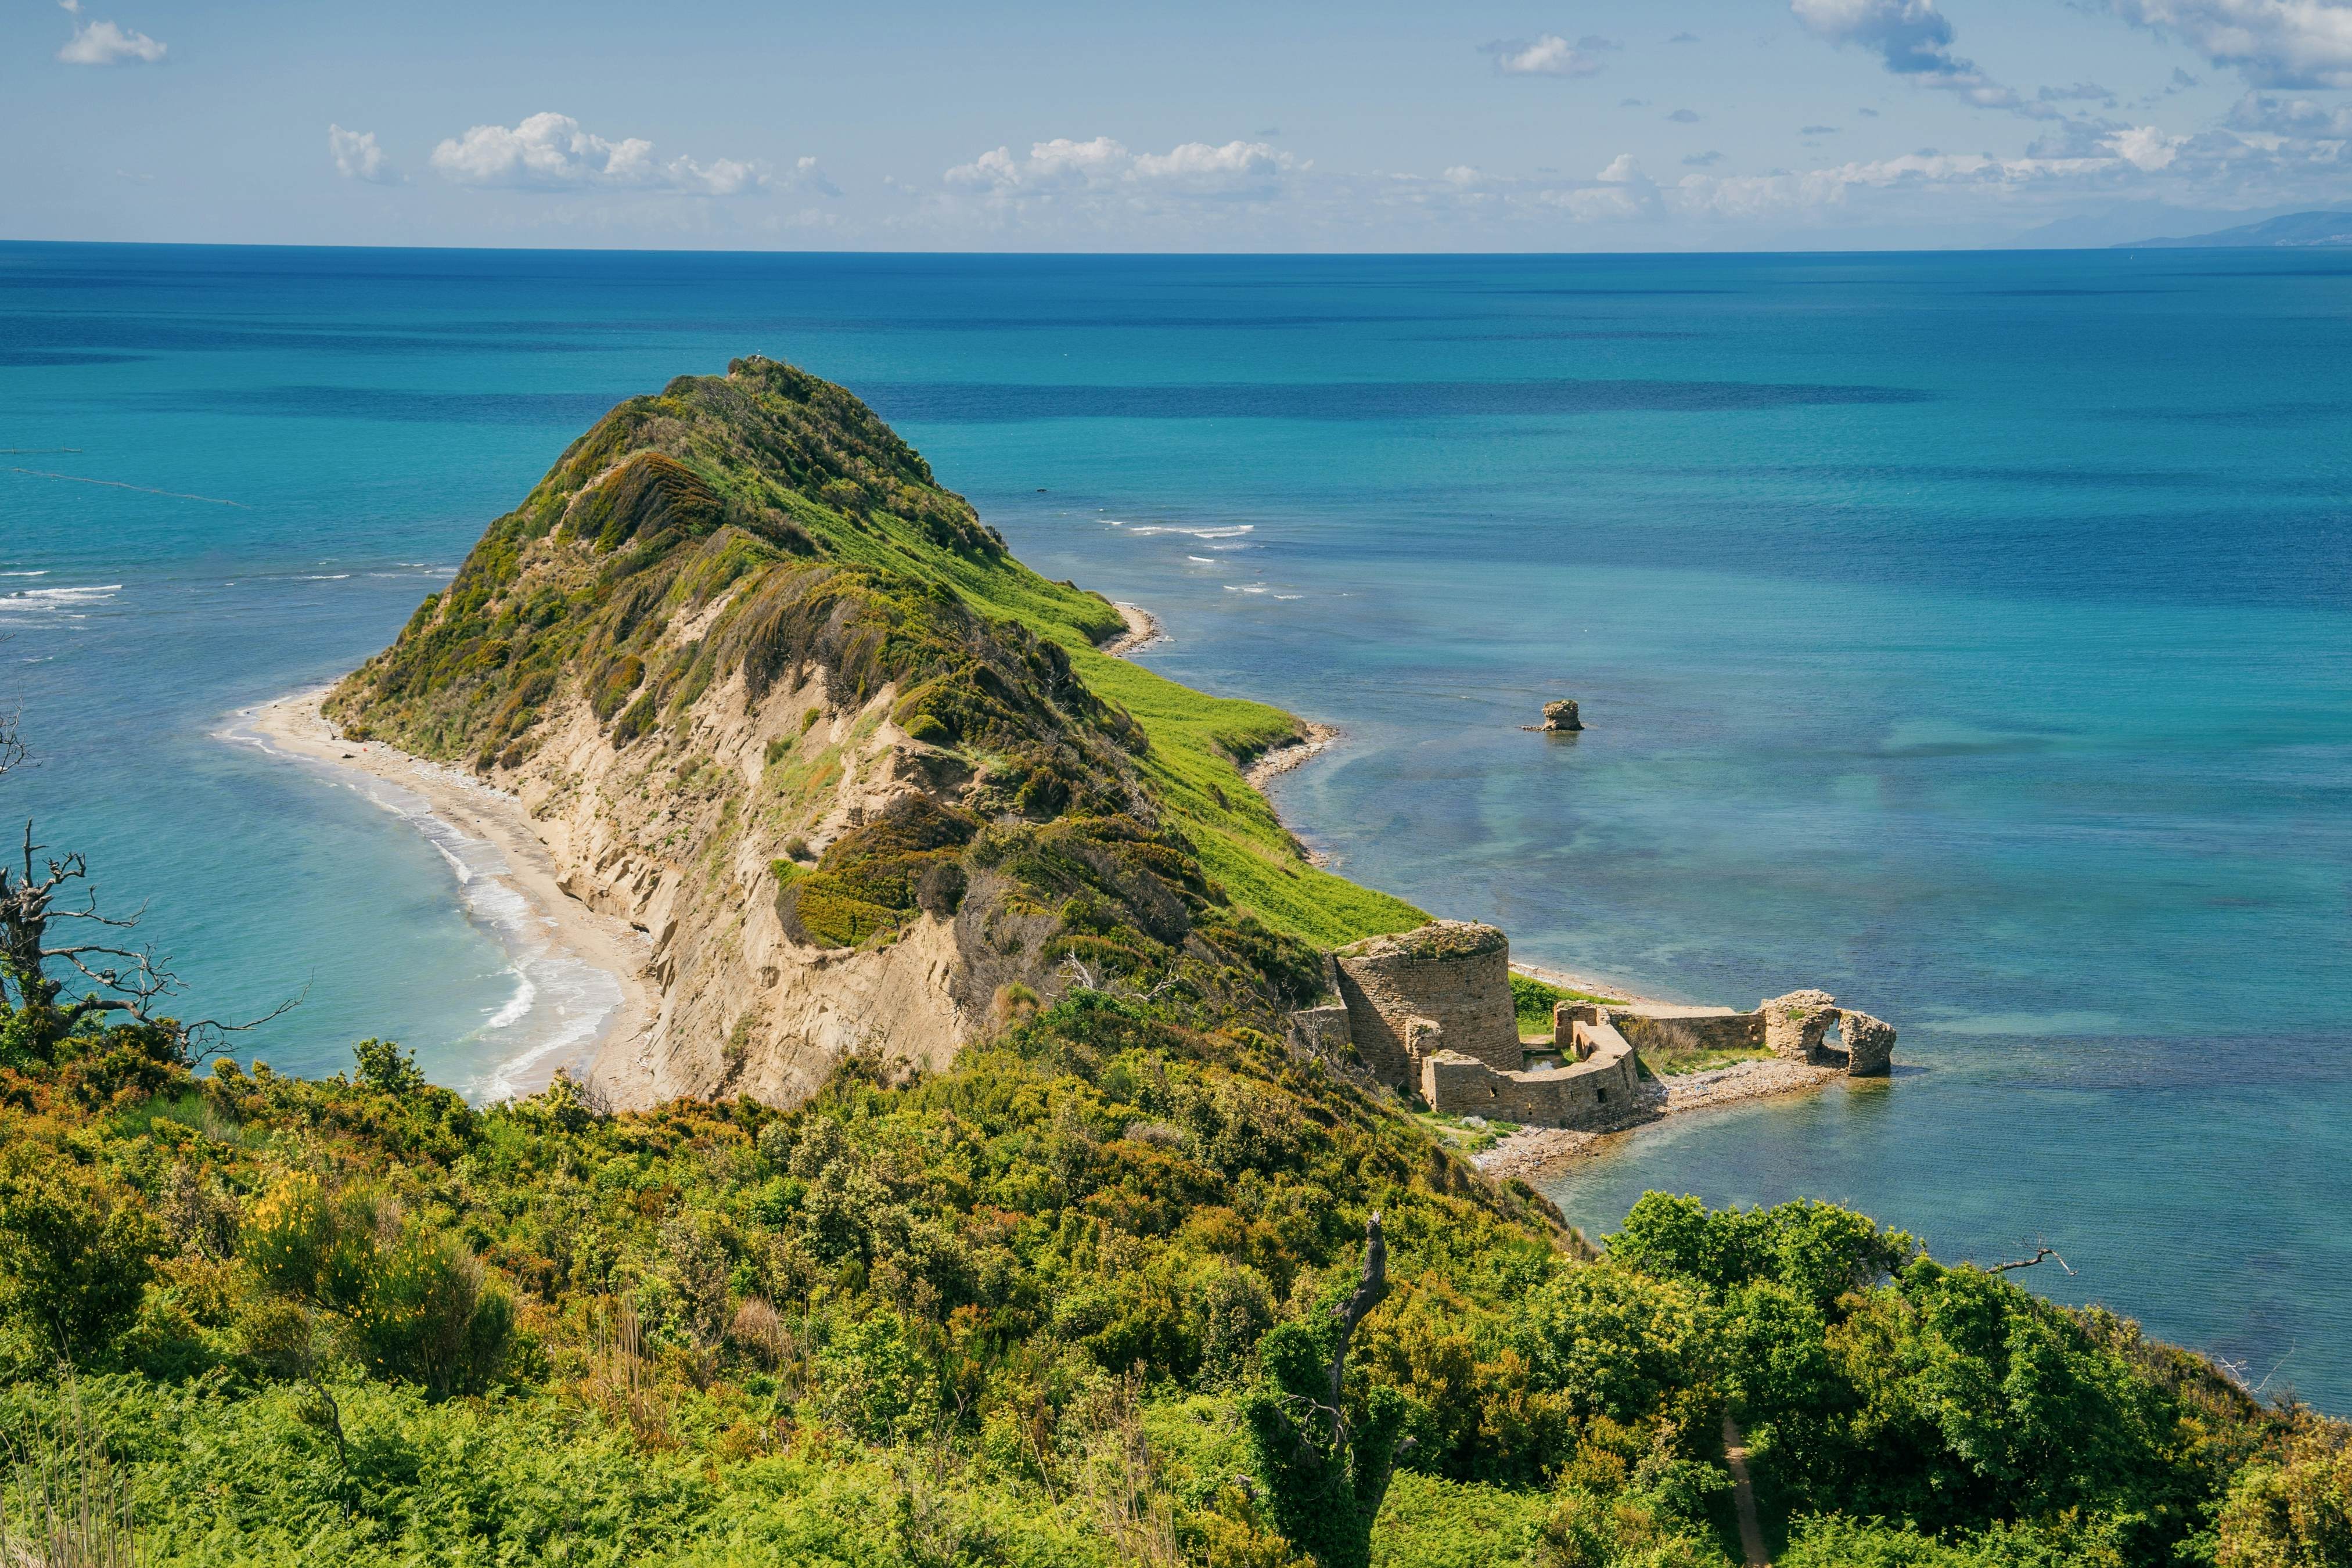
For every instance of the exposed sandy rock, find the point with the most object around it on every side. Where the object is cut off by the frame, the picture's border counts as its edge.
(676, 834)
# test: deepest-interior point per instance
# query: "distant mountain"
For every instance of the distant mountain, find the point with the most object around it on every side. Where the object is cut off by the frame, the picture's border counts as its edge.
(2114, 223)
(2331, 230)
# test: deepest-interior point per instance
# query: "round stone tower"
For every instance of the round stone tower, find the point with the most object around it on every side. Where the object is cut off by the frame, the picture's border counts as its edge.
(1456, 974)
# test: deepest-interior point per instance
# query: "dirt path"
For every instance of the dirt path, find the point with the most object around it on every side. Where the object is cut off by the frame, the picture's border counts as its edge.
(1743, 1495)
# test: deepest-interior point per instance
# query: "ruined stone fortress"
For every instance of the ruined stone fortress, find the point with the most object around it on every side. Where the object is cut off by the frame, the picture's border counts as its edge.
(1429, 1012)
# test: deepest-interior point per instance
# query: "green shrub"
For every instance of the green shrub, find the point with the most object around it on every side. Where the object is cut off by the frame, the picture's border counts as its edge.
(77, 1250)
(2295, 1514)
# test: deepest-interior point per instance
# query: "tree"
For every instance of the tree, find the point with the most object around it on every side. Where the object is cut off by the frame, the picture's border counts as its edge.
(66, 976)
(1325, 1465)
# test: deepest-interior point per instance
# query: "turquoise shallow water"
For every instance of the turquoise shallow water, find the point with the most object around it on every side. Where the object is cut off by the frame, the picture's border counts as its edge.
(1964, 634)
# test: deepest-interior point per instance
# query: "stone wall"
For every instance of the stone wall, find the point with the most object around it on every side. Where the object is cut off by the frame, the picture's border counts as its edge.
(1321, 1031)
(1795, 1024)
(1797, 1027)
(1869, 1044)
(1602, 1090)
(1455, 975)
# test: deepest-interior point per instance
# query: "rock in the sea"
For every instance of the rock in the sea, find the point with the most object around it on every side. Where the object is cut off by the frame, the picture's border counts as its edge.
(1795, 1023)
(1869, 1044)
(1561, 715)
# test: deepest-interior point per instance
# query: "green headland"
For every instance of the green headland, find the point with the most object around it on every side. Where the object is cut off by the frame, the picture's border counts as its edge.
(1122, 1277)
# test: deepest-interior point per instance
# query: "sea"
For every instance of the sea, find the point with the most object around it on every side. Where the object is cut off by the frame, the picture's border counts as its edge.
(1968, 635)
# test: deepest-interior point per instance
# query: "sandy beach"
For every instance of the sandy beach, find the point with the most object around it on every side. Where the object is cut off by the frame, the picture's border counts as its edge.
(567, 930)
(1596, 986)
(1143, 631)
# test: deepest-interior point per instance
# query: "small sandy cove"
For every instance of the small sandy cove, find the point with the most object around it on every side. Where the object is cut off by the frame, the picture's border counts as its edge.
(294, 724)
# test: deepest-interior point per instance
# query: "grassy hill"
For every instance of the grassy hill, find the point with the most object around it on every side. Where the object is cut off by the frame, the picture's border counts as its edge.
(780, 506)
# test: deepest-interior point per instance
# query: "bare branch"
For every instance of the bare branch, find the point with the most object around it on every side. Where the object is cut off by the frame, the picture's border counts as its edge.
(2029, 1262)
(1369, 1292)
(207, 1037)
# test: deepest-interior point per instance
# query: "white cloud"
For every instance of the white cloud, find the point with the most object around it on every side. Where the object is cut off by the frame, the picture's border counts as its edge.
(1550, 55)
(1620, 193)
(357, 157)
(1813, 191)
(551, 152)
(104, 43)
(1061, 165)
(2276, 43)
(1910, 36)
(1911, 39)
(1058, 163)
(807, 176)
(1197, 162)
(2145, 148)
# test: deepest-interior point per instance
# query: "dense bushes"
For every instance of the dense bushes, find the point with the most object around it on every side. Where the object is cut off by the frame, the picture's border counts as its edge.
(1022, 1311)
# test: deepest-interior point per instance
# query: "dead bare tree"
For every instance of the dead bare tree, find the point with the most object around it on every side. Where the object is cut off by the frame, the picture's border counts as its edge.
(1076, 977)
(1328, 1460)
(52, 931)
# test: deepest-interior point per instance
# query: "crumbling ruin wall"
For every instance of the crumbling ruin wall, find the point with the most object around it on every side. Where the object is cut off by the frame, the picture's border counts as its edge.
(1797, 1026)
(1456, 974)
(1869, 1044)
(1601, 1090)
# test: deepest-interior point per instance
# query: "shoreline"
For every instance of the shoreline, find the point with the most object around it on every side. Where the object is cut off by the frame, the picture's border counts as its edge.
(1594, 985)
(1277, 761)
(591, 968)
(1144, 630)
(1533, 1151)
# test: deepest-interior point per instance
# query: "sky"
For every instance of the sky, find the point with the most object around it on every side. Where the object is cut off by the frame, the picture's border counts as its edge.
(1552, 125)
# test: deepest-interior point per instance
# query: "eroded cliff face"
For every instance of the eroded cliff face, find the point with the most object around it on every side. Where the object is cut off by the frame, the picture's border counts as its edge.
(683, 840)
(783, 703)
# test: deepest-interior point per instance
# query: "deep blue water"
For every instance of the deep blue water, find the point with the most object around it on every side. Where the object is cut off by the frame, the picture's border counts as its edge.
(1964, 634)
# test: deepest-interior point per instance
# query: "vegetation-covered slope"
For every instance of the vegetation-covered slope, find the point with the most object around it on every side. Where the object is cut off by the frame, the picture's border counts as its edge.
(779, 700)
(1039, 1309)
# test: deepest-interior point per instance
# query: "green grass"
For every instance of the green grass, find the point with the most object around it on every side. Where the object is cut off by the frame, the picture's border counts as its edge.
(1199, 743)
(1533, 1001)
(738, 494)
(1429, 1521)
(1455, 1133)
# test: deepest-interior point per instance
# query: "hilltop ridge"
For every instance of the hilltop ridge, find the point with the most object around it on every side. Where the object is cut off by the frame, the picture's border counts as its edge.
(785, 703)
